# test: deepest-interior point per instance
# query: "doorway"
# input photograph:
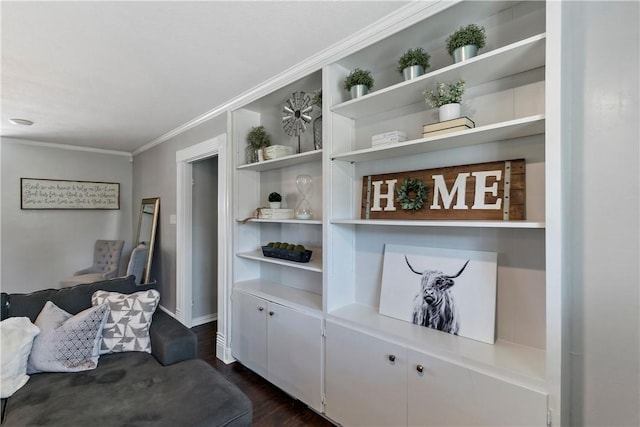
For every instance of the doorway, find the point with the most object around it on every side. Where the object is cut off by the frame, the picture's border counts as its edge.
(185, 161)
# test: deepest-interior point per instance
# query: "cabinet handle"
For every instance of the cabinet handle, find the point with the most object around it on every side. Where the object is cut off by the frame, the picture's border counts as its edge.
(260, 308)
(420, 368)
(392, 358)
(271, 313)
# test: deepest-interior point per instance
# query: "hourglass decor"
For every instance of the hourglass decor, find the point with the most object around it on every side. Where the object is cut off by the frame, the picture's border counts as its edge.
(303, 208)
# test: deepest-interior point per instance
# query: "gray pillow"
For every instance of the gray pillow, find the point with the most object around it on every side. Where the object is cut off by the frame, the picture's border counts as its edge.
(127, 327)
(67, 343)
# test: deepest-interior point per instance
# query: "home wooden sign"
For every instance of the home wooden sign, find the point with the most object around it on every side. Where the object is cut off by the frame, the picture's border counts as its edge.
(484, 191)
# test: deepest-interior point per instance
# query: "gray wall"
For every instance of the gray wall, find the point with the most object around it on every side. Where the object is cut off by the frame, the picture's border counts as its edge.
(41, 247)
(604, 229)
(205, 239)
(155, 175)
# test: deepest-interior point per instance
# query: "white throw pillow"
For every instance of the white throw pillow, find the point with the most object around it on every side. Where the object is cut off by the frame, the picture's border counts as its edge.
(67, 343)
(127, 327)
(16, 340)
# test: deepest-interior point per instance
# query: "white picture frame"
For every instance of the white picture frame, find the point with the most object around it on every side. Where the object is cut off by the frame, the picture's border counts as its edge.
(459, 294)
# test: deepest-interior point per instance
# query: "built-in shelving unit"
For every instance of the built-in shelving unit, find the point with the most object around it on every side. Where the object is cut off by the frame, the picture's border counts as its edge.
(507, 95)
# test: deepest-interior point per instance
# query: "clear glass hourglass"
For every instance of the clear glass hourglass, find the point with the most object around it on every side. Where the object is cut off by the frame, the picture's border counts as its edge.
(303, 208)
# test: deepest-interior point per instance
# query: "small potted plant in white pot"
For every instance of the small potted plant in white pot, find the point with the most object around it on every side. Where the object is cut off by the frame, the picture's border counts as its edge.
(447, 98)
(413, 63)
(274, 200)
(358, 82)
(257, 139)
(465, 42)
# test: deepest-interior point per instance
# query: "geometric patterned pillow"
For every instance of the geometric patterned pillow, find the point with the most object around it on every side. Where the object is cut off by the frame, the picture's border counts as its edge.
(67, 343)
(127, 327)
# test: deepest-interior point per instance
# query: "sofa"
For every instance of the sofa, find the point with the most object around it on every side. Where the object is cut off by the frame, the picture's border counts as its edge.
(167, 387)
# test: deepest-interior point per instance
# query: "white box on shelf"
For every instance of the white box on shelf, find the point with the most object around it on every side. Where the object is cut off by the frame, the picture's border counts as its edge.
(267, 213)
(276, 151)
(390, 140)
(390, 134)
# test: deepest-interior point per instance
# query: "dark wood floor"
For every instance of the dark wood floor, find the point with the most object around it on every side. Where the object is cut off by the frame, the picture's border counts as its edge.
(271, 406)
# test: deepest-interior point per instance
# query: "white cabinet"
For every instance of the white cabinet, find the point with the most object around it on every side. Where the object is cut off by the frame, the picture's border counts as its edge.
(446, 394)
(281, 344)
(400, 386)
(366, 379)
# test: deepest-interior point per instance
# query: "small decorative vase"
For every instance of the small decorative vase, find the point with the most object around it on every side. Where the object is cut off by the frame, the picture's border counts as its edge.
(274, 205)
(358, 90)
(251, 155)
(449, 112)
(317, 133)
(412, 72)
(464, 52)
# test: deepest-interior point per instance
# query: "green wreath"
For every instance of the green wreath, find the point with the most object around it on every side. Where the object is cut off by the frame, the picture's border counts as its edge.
(418, 187)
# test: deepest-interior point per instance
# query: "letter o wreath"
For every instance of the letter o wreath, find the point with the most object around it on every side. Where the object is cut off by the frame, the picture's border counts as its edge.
(420, 190)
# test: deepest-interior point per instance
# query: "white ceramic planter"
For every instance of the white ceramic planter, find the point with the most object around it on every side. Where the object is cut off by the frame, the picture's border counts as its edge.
(449, 112)
(274, 205)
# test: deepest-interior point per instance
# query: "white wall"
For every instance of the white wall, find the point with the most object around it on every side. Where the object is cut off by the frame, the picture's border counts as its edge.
(41, 247)
(604, 204)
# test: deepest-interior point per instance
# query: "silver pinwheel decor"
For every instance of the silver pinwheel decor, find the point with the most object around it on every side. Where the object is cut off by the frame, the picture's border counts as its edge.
(296, 114)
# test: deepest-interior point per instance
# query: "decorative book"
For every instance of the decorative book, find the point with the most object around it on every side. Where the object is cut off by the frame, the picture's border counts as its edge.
(447, 124)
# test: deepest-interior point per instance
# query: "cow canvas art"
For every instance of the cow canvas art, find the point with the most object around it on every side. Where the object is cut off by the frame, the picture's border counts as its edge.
(453, 291)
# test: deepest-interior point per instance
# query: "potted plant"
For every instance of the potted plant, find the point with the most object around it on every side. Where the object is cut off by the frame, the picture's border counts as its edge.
(358, 82)
(464, 43)
(257, 138)
(413, 63)
(316, 100)
(274, 200)
(446, 97)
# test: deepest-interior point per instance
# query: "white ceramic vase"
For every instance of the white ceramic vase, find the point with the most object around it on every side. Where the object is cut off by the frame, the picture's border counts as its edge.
(274, 205)
(449, 112)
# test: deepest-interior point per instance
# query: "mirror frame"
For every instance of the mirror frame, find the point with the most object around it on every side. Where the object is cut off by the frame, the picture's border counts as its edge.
(155, 201)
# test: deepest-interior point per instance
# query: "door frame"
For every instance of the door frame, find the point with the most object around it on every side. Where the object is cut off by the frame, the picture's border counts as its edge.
(215, 147)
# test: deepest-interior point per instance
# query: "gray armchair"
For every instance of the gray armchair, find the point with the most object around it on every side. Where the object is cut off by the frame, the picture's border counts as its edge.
(137, 262)
(106, 263)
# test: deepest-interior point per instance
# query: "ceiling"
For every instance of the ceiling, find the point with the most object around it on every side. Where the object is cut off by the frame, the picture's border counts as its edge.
(118, 75)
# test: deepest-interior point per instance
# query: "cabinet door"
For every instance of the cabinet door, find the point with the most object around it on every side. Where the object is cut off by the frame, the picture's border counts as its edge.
(445, 394)
(294, 353)
(249, 332)
(362, 385)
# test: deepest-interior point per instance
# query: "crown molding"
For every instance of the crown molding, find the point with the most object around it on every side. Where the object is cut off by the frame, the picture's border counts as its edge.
(67, 147)
(397, 20)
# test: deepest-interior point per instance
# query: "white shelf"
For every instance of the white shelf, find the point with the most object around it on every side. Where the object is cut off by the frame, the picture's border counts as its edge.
(286, 221)
(294, 159)
(282, 294)
(315, 264)
(517, 128)
(515, 58)
(525, 365)
(443, 223)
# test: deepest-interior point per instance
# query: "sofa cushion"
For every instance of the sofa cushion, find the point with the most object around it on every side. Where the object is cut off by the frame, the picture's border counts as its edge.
(67, 343)
(127, 327)
(131, 389)
(72, 300)
(16, 339)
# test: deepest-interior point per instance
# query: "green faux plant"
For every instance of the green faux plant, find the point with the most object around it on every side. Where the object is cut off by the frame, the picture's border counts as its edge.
(358, 77)
(274, 197)
(471, 34)
(445, 93)
(317, 98)
(258, 138)
(411, 57)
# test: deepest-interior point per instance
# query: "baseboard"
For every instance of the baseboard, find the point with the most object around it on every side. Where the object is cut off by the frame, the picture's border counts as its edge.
(204, 319)
(222, 351)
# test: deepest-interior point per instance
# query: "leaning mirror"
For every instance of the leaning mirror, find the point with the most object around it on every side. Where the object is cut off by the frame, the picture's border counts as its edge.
(147, 224)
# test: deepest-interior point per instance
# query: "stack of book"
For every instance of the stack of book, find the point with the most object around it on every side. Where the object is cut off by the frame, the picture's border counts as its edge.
(454, 125)
(390, 137)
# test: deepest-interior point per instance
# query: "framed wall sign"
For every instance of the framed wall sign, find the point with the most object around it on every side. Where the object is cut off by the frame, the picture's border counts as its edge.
(62, 194)
(483, 191)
